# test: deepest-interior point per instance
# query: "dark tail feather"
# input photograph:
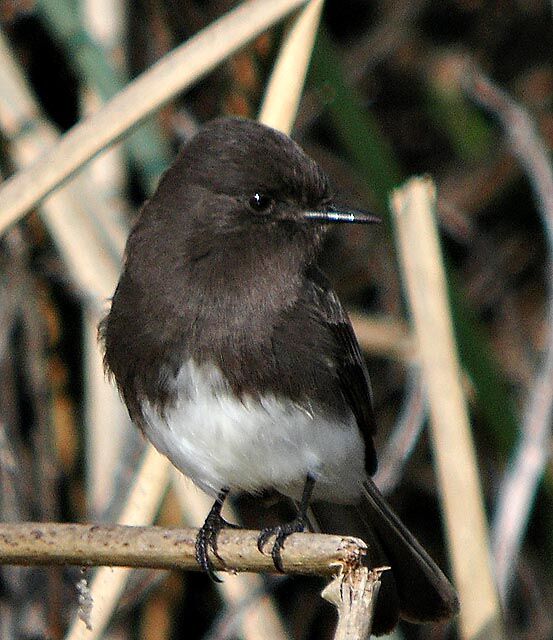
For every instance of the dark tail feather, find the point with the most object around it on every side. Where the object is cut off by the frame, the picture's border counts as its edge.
(424, 593)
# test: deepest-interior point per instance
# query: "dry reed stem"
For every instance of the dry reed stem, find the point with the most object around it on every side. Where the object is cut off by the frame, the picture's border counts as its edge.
(106, 419)
(418, 245)
(173, 73)
(285, 86)
(75, 217)
(105, 22)
(70, 214)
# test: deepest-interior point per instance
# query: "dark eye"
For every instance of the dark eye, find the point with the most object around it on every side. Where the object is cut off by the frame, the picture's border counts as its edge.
(260, 202)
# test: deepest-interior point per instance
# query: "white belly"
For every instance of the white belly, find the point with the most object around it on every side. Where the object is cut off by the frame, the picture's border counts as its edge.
(247, 445)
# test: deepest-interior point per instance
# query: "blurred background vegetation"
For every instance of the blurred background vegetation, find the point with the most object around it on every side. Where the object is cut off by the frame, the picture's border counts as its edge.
(390, 93)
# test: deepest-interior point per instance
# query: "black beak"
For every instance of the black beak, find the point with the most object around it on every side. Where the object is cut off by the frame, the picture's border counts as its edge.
(335, 215)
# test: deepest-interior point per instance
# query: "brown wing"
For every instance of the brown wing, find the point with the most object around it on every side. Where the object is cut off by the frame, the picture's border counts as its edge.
(350, 365)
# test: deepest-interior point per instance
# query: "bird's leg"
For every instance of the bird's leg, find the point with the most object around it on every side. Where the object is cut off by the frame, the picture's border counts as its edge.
(282, 531)
(207, 536)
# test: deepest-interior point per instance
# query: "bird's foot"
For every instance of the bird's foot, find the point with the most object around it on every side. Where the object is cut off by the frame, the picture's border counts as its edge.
(206, 539)
(281, 532)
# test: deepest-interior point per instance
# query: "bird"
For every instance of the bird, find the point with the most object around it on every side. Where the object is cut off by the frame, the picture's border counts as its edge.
(236, 359)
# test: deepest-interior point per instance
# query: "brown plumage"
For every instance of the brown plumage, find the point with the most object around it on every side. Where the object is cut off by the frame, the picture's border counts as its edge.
(236, 358)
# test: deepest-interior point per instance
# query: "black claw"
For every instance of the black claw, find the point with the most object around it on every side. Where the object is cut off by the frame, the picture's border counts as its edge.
(263, 538)
(281, 532)
(206, 539)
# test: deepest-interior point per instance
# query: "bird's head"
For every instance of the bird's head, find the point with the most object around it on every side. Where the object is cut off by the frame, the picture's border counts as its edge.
(238, 179)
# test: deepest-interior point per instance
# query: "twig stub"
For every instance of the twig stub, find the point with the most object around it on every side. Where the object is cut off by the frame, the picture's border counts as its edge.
(354, 594)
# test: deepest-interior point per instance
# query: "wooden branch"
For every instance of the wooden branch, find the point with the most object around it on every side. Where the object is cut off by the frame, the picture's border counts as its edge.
(32, 543)
(354, 594)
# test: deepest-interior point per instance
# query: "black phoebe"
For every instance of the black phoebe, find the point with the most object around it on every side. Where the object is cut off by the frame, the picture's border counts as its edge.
(236, 359)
